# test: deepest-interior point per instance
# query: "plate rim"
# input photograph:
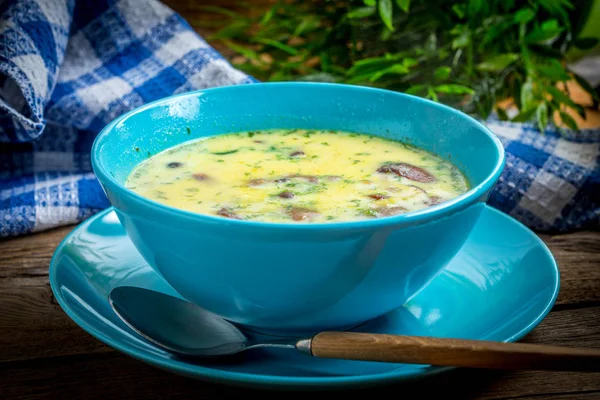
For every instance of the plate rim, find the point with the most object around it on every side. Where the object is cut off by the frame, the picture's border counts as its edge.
(282, 382)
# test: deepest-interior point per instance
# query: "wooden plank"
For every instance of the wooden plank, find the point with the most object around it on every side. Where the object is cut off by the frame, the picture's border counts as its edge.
(578, 258)
(29, 256)
(114, 376)
(35, 326)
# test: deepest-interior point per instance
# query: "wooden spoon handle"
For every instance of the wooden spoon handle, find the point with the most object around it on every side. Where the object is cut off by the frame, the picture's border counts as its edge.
(452, 352)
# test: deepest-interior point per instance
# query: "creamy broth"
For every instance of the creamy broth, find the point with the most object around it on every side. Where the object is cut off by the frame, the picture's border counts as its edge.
(294, 175)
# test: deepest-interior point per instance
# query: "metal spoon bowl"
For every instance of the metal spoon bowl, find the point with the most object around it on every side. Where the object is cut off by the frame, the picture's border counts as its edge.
(184, 328)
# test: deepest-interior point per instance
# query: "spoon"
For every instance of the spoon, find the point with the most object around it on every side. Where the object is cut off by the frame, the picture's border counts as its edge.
(186, 329)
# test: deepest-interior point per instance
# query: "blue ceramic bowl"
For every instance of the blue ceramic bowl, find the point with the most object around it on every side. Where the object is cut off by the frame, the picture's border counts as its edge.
(297, 278)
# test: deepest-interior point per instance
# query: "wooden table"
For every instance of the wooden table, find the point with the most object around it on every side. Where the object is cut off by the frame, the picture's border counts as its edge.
(44, 355)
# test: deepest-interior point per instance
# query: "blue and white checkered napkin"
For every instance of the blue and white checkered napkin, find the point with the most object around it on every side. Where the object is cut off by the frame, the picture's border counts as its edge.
(68, 67)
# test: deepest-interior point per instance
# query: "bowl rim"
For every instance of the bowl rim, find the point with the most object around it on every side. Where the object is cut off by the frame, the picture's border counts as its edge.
(420, 216)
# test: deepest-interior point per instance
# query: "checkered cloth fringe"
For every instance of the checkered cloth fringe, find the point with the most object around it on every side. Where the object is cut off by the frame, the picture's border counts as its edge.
(68, 67)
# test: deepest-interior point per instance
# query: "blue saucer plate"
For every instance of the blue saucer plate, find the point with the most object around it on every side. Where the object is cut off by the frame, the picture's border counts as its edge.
(500, 286)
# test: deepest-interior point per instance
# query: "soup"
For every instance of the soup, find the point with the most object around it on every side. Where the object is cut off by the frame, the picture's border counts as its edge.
(295, 175)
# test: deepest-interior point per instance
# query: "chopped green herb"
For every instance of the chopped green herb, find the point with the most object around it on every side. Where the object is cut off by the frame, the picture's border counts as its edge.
(325, 143)
(149, 154)
(161, 195)
(356, 202)
(220, 160)
(355, 161)
(362, 154)
(189, 131)
(137, 149)
(222, 153)
(330, 217)
(250, 134)
(368, 212)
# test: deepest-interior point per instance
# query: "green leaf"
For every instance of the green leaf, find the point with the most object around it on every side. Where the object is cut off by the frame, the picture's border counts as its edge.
(494, 32)
(585, 43)
(248, 53)
(525, 115)
(527, 95)
(373, 64)
(507, 5)
(370, 2)
(568, 120)
(442, 73)
(502, 114)
(431, 94)
(325, 61)
(385, 34)
(361, 12)
(398, 69)
(475, 7)
(497, 63)
(548, 30)
(524, 15)
(307, 24)
(233, 30)
(557, 7)
(561, 97)
(409, 62)
(222, 10)
(454, 88)
(550, 25)
(268, 15)
(459, 10)
(541, 114)
(276, 44)
(404, 5)
(461, 41)
(416, 90)
(386, 12)
(553, 70)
